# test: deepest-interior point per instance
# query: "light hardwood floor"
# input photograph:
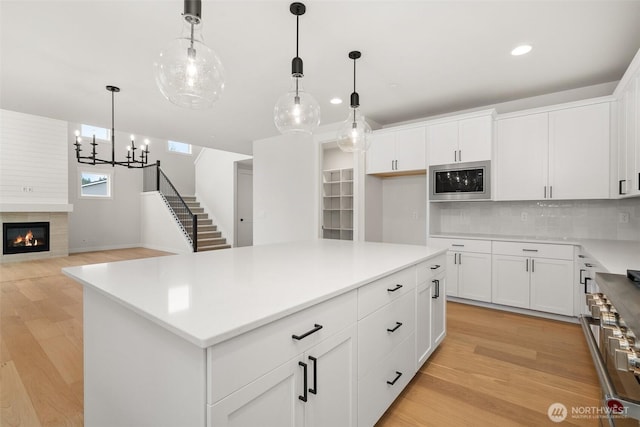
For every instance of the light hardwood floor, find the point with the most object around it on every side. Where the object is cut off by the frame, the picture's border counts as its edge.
(493, 369)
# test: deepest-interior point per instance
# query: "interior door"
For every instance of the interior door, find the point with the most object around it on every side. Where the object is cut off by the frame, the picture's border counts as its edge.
(244, 207)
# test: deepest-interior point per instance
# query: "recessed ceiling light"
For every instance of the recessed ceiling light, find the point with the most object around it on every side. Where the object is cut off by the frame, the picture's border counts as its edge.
(336, 101)
(521, 50)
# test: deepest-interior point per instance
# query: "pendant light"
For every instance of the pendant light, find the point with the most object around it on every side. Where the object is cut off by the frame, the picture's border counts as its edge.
(355, 131)
(188, 72)
(296, 110)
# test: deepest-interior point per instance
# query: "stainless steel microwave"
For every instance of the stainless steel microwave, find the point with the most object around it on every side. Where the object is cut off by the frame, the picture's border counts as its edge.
(460, 181)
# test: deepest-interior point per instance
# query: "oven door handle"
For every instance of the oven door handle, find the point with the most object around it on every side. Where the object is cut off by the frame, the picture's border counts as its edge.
(601, 369)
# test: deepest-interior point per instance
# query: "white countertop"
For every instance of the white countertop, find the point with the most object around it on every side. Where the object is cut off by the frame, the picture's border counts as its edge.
(208, 297)
(616, 256)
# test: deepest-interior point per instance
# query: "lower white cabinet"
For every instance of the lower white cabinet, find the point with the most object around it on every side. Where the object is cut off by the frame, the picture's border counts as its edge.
(430, 317)
(534, 282)
(317, 388)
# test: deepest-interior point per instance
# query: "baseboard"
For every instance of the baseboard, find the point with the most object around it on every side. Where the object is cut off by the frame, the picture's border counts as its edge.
(534, 313)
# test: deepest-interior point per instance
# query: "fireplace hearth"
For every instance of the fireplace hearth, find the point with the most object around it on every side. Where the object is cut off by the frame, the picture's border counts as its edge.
(25, 237)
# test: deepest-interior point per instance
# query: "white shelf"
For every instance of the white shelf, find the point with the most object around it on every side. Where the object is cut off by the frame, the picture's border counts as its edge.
(337, 212)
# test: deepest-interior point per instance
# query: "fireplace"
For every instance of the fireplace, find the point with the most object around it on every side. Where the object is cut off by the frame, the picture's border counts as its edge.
(25, 237)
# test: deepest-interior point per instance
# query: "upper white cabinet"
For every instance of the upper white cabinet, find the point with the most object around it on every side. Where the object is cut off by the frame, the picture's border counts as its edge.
(629, 139)
(464, 140)
(561, 154)
(397, 151)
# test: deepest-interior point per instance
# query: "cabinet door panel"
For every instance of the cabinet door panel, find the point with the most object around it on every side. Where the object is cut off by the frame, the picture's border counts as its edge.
(623, 185)
(452, 274)
(423, 322)
(510, 280)
(474, 276)
(579, 152)
(439, 314)
(270, 401)
(335, 401)
(632, 138)
(522, 157)
(410, 149)
(475, 137)
(552, 286)
(381, 153)
(442, 142)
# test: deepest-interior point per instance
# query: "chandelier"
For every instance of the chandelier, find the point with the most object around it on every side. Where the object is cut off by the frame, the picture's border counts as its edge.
(131, 162)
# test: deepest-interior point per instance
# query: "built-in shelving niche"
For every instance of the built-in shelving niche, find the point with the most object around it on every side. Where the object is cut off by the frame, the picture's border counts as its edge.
(337, 194)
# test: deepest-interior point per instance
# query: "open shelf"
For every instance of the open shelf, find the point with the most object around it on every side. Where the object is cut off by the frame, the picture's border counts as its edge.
(337, 204)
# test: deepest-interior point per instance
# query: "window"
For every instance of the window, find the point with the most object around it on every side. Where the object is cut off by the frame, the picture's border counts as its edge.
(87, 131)
(96, 184)
(179, 147)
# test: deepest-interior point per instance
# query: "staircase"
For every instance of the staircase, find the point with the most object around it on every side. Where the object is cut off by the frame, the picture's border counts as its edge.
(209, 238)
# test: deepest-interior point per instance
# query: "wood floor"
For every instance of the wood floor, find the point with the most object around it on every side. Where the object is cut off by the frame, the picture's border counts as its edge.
(493, 369)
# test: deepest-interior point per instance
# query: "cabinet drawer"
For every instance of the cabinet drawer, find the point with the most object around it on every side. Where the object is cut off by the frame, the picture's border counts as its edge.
(428, 269)
(539, 250)
(380, 332)
(376, 294)
(375, 394)
(240, 360)
(461, 245)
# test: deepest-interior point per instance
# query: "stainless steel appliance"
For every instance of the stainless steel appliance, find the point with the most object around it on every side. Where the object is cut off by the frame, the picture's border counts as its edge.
(460, 181)
(612, 332)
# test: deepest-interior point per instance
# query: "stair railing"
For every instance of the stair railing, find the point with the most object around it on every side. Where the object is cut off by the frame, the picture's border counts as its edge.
(154, 179)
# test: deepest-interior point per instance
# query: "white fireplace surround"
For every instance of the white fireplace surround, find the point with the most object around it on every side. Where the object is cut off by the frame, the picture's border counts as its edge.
(58, 234)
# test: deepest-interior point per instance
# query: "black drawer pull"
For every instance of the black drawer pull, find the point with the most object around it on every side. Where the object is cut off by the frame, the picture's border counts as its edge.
(395, 328)
(304, 396)
(436, 295)
(314, 390)
(581, 280)
(588, 265)
(529, 250)
(586, 282)
(435, 267)
(457, 245)
(398, 375)
(398, 286)
(316, 328)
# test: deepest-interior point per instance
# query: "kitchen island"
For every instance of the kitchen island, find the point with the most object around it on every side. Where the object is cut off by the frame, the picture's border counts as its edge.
(295, 334)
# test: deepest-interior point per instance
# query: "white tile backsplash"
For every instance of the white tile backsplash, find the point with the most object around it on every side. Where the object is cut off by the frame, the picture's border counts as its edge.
(583, 219)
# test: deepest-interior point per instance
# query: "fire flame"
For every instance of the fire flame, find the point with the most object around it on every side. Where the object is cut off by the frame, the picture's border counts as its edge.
(27, 240)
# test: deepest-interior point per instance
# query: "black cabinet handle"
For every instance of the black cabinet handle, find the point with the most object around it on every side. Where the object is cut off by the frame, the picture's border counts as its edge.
(620, 186)
(533, 266)
(526, 265)
(529, 250)
(437, 294)
(398, 375)
(580, 256)
(314, 390)
(398, 286)
(588, 265)
(435, 267)
(395, 328)
(304, 396)
(586, 281)
(316, 328)
(581, 280)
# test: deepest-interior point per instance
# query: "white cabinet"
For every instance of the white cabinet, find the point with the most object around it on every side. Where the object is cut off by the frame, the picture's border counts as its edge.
(521, 161)
(465, 140)
(534, 276)
(579, 152)
(318, 387)
(561, 154)
(468, 267)
(629, 139)
(430, 308)
(397, 151)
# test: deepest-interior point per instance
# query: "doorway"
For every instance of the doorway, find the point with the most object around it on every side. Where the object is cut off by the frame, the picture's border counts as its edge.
(244, 203)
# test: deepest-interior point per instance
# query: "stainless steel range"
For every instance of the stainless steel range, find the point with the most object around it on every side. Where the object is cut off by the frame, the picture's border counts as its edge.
(613, 335)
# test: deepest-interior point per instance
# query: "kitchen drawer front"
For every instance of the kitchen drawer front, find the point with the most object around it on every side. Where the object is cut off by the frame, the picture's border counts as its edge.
(428, 269)
(240, 360)
(375, 395)
(461, 245)
(536, 250)
(382, 331)
(376, 294)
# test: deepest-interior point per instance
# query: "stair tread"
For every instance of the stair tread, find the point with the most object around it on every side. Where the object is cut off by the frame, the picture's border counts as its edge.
(213, 247)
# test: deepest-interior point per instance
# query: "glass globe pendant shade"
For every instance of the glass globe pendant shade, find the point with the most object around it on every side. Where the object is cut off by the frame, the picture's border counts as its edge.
(354, 133)
(188, 72)
(296, 110)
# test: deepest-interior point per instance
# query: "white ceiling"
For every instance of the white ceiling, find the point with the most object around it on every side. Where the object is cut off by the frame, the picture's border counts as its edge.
(419, 58)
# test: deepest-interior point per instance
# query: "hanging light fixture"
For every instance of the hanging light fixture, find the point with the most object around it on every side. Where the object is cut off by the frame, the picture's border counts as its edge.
(131, 161)
(296, 110)
(188, 72)
(354, 132)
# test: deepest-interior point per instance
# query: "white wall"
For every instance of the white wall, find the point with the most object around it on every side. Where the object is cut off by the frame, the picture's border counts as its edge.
(158, 228)
(335, 158)
(404, 206)
(33, 157)
(286, 180)
(215, 186)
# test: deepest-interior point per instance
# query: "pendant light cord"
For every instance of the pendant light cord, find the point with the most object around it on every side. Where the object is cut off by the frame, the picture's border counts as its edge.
(297, 33)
